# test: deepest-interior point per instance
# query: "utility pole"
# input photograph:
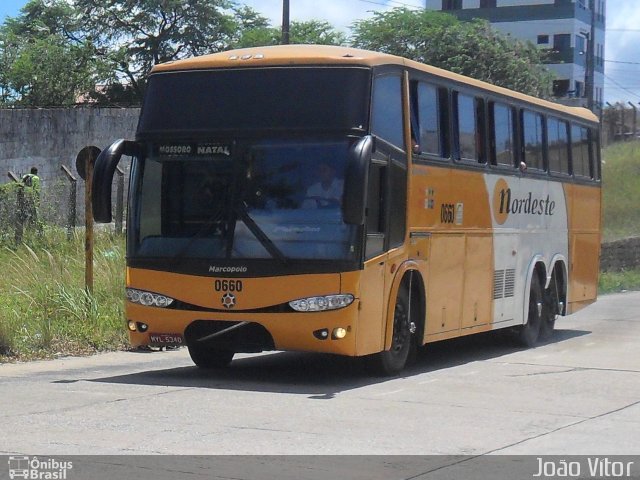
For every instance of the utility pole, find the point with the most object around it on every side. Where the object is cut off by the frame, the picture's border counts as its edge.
(285, 22)
(591, 58)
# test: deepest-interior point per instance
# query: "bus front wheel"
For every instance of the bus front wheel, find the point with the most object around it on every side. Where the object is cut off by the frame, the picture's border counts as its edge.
(392, 361)
(208, 358)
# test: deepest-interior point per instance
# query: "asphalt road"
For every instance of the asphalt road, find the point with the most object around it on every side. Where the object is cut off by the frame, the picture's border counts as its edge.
(578, 394)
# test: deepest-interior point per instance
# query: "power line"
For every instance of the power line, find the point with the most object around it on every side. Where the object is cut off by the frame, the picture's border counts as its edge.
(621, 87)
(392, 2)
(626, 63)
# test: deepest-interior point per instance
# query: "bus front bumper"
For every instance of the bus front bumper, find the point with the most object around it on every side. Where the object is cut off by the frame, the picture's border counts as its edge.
(332, 331)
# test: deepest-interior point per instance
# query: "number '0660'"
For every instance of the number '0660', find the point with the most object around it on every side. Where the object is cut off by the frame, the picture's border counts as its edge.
(228, 285)
(447, 212)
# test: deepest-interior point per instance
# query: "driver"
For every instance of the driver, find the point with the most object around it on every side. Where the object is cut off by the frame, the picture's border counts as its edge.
(327, 191)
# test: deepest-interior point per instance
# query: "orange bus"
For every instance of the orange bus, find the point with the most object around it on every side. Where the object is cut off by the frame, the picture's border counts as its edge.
(329, 199)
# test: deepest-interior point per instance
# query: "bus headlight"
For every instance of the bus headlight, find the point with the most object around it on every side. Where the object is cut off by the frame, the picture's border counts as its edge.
(319, 304)
(148, 299)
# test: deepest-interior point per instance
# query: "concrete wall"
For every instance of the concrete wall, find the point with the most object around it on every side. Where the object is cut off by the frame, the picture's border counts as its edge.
(50, 138)
(620, 255)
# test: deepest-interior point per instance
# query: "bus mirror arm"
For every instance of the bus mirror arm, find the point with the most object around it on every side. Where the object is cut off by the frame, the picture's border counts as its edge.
(103, 172)
(356, 181)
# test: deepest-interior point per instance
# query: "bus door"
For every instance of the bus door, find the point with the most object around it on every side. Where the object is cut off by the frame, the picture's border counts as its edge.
(384, 232)
(370, 335)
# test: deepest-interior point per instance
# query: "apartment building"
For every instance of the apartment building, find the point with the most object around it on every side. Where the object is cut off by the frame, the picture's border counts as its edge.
(563, 27)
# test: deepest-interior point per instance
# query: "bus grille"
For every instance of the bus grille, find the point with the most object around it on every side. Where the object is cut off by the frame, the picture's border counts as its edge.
(504, 283)
(498, 284)
(509, 282)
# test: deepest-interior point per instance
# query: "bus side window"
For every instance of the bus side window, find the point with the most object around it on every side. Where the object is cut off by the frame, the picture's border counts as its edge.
(594, 153)
(413, 113)
(558, 146)
(466, 132)
(481, 134)
(429, 121)
(501, 135)
(444, 115)
(376, 209)
(386, 118)
(532, 140)
(580, 157)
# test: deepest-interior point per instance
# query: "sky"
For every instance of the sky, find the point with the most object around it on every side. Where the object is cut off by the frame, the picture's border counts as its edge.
(622, 54)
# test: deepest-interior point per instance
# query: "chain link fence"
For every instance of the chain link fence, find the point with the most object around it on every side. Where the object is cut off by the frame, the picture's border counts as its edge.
(59, 202)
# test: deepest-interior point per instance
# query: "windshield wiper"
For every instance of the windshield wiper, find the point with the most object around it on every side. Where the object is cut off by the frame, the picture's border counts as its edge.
(262, 237)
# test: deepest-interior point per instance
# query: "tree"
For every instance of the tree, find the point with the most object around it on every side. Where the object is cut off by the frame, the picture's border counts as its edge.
(308, 32)
(138, 34)
(43, 60)
(472, 48)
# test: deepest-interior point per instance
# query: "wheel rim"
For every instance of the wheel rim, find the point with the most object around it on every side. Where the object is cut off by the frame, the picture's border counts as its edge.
(401, 331)
(534, 319)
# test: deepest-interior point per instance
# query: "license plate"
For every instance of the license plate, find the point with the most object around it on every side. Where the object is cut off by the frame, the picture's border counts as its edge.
(165, 339)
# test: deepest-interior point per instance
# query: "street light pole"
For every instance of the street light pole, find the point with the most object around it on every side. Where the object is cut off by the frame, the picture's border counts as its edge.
(285, 22)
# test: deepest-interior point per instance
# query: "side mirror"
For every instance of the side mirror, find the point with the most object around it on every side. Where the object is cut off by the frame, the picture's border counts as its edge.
(356, 180)
(103, 172)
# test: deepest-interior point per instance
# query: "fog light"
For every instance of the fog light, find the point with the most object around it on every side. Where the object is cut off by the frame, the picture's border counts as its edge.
(322, 334)
(132, 325)
(338, 333)
(143, 327)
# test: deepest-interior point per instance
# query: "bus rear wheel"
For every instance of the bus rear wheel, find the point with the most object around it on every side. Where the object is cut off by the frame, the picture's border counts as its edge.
(392, 361)
(552, 308)
(208, 358)
(529, 333)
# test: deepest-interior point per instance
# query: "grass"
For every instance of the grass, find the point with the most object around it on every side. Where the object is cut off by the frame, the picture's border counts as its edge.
(621, 215)
(45, 310)
(621, 190)
(611, 282)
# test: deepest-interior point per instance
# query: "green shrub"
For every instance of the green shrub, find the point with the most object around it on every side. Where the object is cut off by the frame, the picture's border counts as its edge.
(44, 307)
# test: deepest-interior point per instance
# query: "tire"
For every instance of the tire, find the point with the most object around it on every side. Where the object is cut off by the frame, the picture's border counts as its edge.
(549, 315)
(391, 362)
(207, 358)
(529, 333)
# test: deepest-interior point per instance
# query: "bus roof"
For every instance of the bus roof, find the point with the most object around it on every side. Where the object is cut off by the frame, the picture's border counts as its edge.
(291, 55)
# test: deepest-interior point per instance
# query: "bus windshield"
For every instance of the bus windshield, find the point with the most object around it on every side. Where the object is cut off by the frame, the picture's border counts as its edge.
(277, 199)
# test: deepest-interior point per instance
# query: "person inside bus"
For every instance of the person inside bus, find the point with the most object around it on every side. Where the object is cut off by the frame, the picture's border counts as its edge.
(327, 192)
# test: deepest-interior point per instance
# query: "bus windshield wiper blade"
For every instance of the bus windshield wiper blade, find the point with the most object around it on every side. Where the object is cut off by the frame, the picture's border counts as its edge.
(262, 237)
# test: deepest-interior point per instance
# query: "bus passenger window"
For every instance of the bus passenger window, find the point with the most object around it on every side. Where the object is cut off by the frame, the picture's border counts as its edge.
(386, 119)
(481, 133)
(467, 133)
(532, 140)
(594, 153)
(502, 149)
(428, 119)
(444, 118)
(580, 151)
(558, 145)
